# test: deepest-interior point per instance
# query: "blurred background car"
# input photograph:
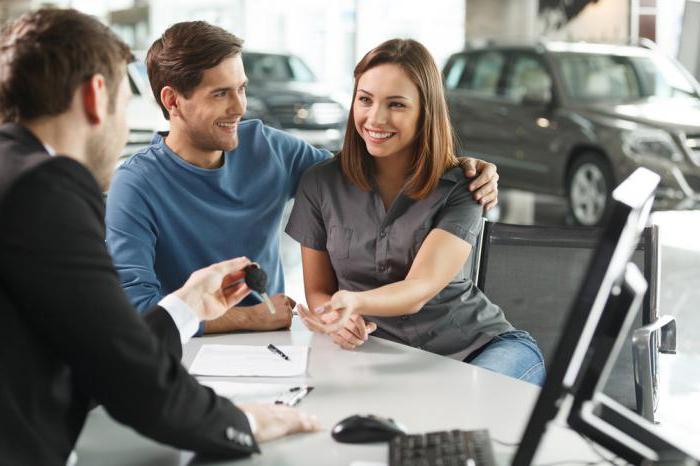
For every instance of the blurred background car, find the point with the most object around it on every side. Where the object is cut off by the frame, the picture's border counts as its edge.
(574, 119)
(144, 116)
(282, 91)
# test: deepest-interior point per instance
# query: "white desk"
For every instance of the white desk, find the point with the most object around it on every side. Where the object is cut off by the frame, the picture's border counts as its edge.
(421, 390)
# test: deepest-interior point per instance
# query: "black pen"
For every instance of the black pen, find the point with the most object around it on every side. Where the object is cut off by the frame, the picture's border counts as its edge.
(299, 396)
(277, 351)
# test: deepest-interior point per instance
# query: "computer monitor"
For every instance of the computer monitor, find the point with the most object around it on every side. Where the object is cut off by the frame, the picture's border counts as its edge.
(597, 324)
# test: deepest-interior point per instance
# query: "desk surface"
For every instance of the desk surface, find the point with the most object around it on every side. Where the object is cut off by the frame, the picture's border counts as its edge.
(421, 390)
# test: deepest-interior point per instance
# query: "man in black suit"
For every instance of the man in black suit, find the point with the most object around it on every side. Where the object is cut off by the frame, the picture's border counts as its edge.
(69, 337)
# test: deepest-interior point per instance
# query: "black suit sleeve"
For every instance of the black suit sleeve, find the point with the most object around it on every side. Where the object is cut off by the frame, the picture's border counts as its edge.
(163, 326)
(56, 267)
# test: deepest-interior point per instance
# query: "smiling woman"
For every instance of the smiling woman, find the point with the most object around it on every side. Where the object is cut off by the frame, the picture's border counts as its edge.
(387, 225)
(391, 91)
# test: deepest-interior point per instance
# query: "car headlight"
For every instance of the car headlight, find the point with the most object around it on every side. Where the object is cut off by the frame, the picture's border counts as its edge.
(651, 143)
(325, 113)
(255, 108)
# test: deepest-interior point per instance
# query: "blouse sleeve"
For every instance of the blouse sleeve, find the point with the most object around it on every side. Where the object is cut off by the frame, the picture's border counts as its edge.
(306, 221)
(461, 215)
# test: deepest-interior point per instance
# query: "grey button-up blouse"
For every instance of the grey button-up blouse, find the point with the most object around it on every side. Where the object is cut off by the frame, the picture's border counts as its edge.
(370, 247)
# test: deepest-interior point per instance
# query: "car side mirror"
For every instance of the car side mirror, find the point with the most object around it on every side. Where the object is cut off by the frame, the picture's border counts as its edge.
(538, 97)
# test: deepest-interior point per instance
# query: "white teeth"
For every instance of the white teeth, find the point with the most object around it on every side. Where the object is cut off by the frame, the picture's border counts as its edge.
(226, 125)
(378, 135)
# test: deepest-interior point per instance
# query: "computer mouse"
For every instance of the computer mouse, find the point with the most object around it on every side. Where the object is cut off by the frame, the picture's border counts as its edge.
(366, 429)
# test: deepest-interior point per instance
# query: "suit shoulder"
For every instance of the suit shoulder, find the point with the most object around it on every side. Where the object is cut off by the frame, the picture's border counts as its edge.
(58, 174)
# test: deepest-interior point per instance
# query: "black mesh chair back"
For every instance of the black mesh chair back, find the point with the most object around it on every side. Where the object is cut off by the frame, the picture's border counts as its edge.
(533, 273)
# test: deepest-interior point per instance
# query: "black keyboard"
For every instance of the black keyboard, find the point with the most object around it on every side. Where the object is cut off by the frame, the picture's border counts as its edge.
(448, 448)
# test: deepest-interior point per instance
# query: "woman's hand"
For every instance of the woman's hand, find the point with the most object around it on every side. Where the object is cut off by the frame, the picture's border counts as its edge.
(354, 333)
(332, 316)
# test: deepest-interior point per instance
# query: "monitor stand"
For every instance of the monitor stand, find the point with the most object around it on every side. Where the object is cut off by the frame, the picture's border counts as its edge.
(624, 433)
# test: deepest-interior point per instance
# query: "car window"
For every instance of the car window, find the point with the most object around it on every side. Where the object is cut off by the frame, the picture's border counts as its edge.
(300, 71)
(137, 72)
(261, 67)
(454, 73)
(267, 68)
(661, 77)
(599, 77)
(132, 85)
(590, 77)
(483, 74)
(528, 77)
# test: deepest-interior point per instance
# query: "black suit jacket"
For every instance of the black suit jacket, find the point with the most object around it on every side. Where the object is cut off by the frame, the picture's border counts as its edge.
(68, 334)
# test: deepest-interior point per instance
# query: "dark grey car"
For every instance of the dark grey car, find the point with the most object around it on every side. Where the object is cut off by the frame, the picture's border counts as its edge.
(285, 94)
(574, 119)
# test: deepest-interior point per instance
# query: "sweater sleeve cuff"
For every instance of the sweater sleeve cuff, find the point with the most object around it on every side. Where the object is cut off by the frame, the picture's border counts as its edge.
(184, 317)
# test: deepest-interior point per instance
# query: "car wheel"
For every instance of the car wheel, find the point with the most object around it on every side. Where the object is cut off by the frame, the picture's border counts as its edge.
(589, 188)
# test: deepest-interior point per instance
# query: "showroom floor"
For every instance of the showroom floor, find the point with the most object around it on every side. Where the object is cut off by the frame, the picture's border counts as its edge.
(679, 296)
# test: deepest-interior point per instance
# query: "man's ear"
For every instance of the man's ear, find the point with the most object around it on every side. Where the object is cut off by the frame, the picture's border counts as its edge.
(170, 99)
(95, 98)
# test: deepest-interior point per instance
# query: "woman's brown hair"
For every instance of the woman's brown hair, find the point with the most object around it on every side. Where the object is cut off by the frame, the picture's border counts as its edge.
(434, 144)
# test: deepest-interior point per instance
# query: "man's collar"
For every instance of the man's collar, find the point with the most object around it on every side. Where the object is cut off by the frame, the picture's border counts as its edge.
(23, 135)
(50, 149)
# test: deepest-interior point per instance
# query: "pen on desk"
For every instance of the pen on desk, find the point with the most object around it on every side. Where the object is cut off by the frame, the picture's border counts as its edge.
(277, 351)
(303, 391)
(298, 394)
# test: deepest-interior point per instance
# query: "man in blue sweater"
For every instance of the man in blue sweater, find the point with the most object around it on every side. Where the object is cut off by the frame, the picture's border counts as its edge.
(214, 186)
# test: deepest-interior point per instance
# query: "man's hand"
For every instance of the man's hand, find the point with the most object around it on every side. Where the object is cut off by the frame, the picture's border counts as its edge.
(211, 291)
(354, 333)
(485, 186)
(259, 317)
(255, 317)
(275, 421)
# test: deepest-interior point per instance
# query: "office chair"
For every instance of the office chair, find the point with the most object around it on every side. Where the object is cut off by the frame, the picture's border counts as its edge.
(533, 273)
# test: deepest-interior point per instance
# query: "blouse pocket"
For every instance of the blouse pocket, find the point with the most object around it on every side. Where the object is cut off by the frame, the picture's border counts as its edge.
(338, 244)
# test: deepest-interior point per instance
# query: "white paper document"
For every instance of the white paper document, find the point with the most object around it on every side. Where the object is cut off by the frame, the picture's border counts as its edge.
(256, 361)
(288, 394)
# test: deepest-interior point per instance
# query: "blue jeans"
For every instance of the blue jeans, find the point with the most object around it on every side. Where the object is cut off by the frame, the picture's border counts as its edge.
(514, 354)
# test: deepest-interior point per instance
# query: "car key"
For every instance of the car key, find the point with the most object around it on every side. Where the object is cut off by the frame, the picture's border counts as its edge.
(256, 279)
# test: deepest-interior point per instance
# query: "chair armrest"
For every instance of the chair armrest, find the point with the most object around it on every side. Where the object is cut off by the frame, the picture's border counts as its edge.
(667, 325)
(644, 357)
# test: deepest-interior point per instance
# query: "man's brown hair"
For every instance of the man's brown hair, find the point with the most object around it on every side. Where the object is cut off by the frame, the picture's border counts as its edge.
(182, 54)
(46, 55)
(434, 144)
